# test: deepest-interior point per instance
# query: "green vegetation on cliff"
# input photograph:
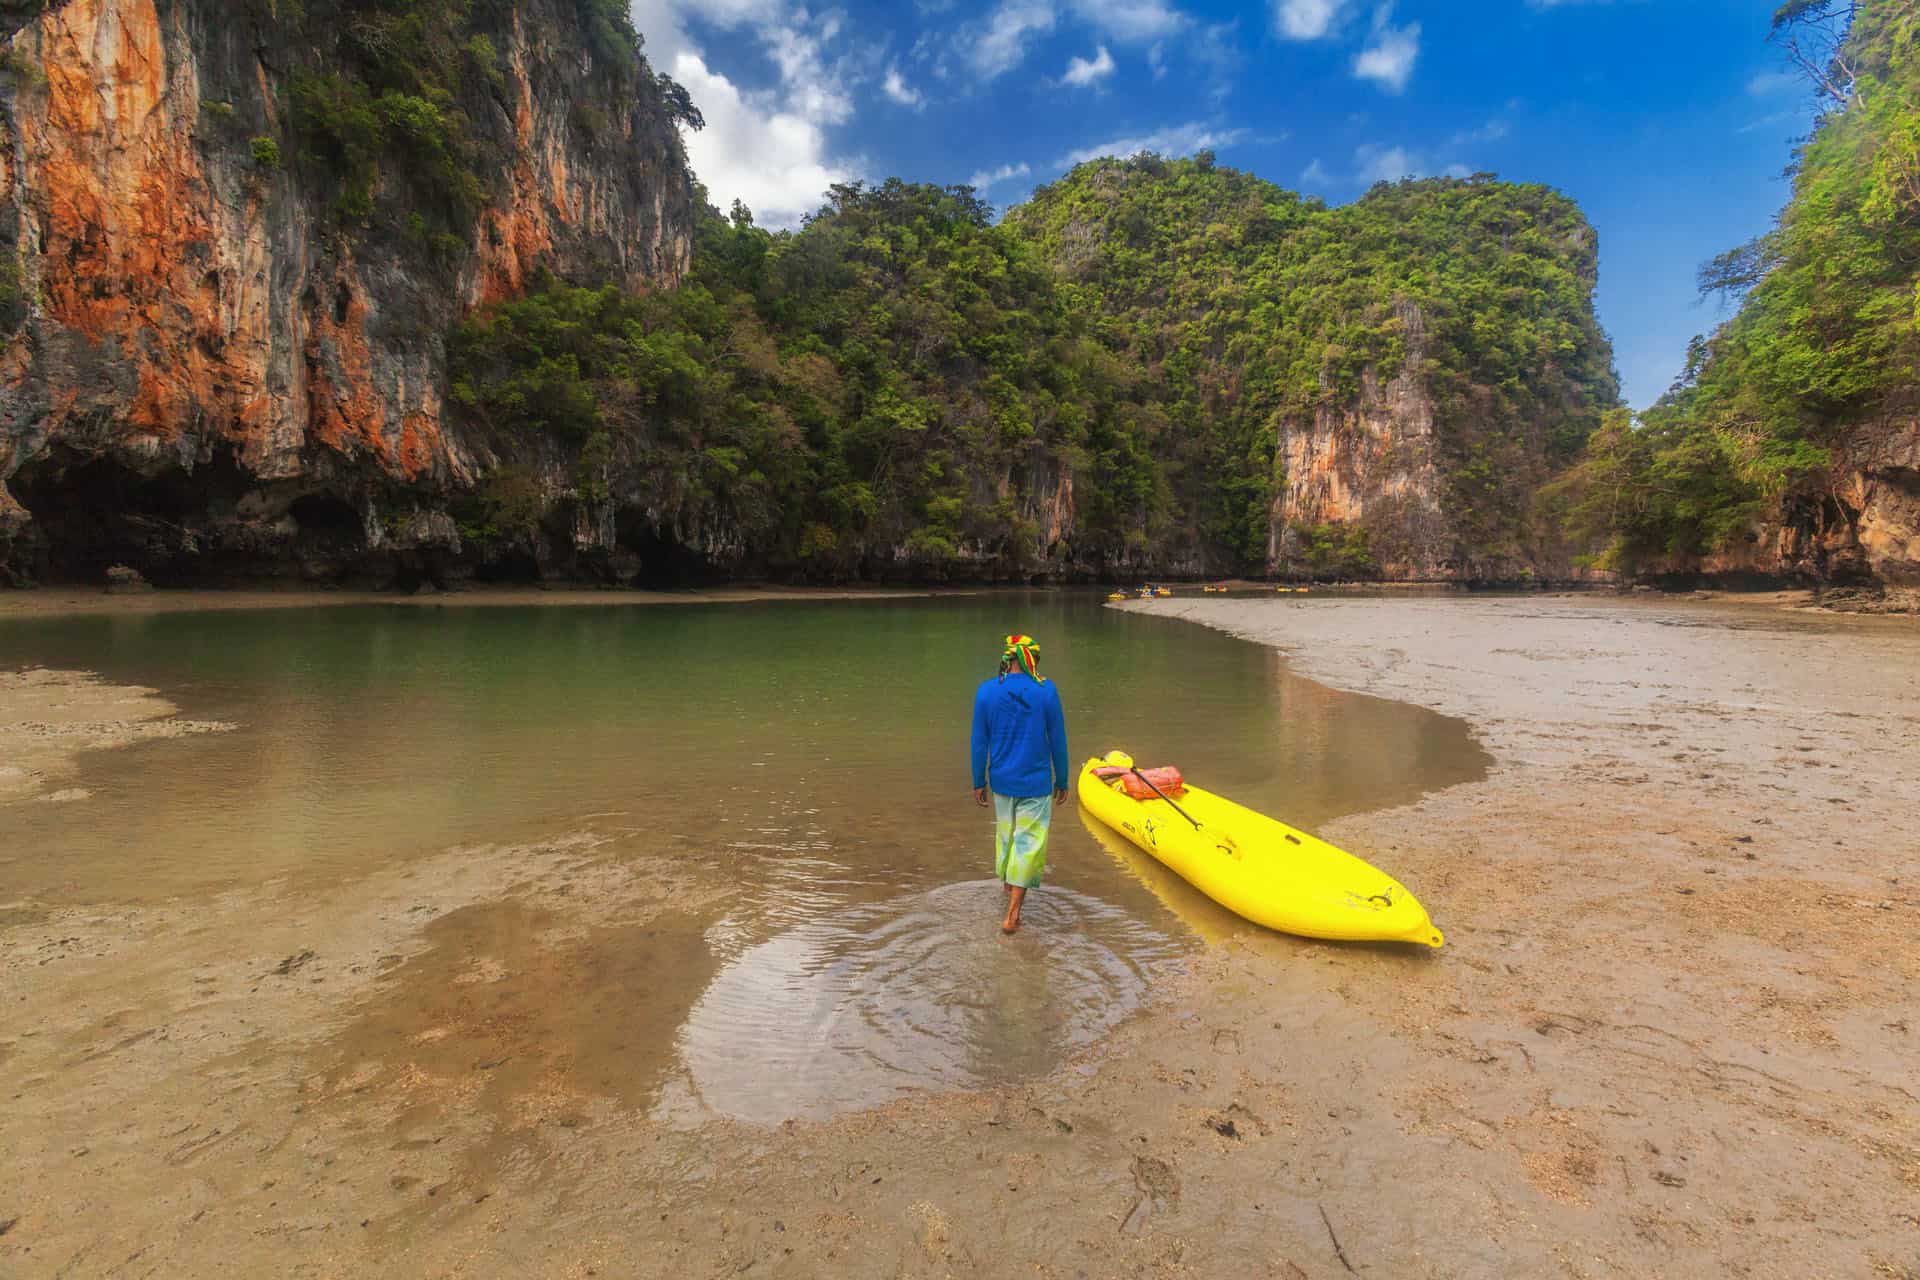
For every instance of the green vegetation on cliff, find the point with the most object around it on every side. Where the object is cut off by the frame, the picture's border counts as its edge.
(891, 376)
(1100, 382)
(398, 101)
(1824, 342)
(1253, 309)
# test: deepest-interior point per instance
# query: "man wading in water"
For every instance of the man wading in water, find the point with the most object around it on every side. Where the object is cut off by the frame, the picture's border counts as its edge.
(1020, 734)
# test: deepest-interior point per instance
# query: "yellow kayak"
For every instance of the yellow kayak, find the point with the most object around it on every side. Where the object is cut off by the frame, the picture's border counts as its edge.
(1255, 867)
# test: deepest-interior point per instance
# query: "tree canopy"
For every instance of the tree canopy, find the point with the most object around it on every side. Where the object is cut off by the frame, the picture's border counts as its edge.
(1824, 343)
(903, 385)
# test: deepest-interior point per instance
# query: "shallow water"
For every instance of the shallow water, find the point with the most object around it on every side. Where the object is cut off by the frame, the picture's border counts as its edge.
(818, 749)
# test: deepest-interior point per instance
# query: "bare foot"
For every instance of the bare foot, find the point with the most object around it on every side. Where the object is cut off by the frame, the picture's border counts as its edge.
(1009, 926)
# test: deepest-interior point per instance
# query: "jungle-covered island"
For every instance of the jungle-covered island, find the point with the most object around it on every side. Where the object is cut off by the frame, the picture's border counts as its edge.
(389, 293)
(563, 721)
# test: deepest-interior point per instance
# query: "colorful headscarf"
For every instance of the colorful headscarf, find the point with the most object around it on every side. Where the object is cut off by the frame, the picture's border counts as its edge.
(1022, 653)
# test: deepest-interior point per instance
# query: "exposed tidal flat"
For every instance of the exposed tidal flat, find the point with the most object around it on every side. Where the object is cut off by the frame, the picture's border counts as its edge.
(524, 941)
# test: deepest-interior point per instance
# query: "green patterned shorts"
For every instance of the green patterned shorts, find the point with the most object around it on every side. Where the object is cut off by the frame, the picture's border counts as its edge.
(1020, 839)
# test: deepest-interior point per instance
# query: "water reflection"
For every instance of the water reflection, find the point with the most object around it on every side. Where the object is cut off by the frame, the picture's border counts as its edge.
(811, 757)
(865, 1005)
(370, 734)
(1200, 915)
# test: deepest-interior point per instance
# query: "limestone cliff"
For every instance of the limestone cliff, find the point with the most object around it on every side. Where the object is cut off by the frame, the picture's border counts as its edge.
(1858, 522)
(1370, 466)
(1372, 390)
(212, 353)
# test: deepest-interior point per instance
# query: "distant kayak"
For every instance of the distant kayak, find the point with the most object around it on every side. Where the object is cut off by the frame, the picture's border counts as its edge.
(1256, 867)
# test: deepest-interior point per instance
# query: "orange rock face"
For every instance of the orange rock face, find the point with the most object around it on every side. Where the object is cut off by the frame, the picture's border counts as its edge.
(121, 210)
(187, 302)
(1373, 466)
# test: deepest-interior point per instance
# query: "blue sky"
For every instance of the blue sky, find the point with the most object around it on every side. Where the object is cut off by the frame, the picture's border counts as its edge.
(1670, 121)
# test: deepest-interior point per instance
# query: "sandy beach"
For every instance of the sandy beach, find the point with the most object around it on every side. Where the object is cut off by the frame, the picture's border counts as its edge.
(1672, 1032)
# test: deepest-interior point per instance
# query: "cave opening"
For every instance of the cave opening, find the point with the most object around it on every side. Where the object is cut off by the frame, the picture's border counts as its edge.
(91, 513)
(324, 515)
(513, 566)
(665, 561)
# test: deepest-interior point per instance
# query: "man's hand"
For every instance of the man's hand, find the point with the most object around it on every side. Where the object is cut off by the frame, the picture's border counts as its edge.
(1060, 796)
(980, 796)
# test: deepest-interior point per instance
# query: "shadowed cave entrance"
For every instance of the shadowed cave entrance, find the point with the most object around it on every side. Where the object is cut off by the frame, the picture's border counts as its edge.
(664, 560)
(91, 513)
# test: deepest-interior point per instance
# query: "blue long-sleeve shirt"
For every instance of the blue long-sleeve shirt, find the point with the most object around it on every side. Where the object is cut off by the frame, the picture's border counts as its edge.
(1020, 736)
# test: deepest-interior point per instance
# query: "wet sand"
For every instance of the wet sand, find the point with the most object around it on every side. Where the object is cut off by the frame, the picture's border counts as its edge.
(47, 718)
(1671, 1034)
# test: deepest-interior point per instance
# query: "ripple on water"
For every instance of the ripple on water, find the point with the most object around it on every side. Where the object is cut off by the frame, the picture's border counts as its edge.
(858, 1008)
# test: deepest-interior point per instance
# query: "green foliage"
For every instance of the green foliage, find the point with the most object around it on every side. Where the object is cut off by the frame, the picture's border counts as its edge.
(266, 153)
(1645, 495)
(394, 100)
(591, 472)
(1253, 310)
(21, 69)
(13, 291)
(1825, 341)
(507, 506)
(485, 57)
(354, 133)
(901, 379)
(591, 122)
(894, 375)
(1338, 553)
(611, 33)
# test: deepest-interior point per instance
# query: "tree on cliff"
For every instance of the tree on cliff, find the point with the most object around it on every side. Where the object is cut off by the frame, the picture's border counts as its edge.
(1098, 381)
(1825, 343)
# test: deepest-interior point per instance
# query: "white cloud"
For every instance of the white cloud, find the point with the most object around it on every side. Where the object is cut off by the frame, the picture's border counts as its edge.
(775, 160)
(1131, 21)
(1768, 83)
(1216, 49)
(898, 90)
(1002, 44)
(1374, 163)
(1307, 19)
(768, 148)
(1770, 121)
(1390, 52)
(1003, 41)
(1491, 131)
(1082, 72)
(1005, 173)
(1377, 162)
(1157, 60)
(1179, 140)
(815, 89)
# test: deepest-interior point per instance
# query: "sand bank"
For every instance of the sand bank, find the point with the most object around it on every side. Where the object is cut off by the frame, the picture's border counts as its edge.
(1671, 1034)
(47, 718)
